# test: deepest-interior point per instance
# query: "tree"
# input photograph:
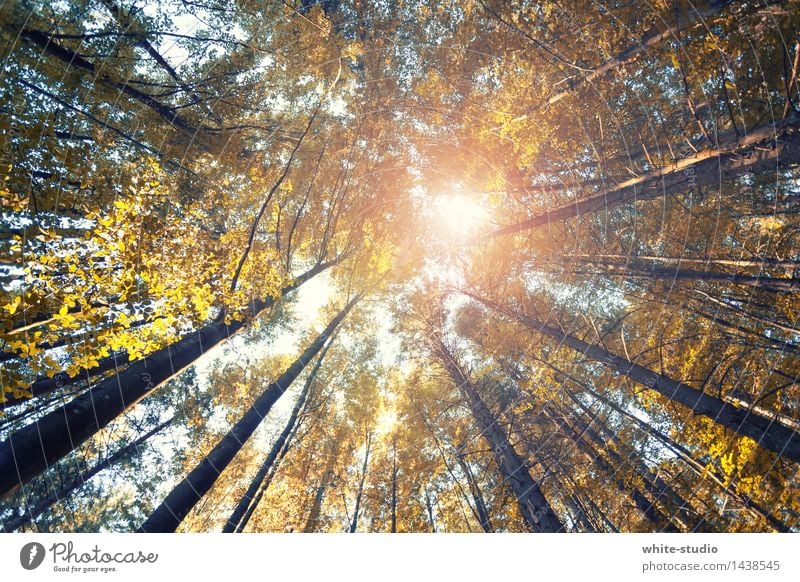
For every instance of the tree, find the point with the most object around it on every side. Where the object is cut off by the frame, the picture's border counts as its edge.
(575, 227)
(183, 497)
(238, 519)
(767, 433)
(533, 505)
(60, 431)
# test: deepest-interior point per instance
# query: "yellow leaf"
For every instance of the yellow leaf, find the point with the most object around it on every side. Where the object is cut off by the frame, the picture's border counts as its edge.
(12, 307)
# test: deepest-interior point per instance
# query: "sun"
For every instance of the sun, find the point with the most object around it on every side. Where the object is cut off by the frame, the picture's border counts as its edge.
(386, 422)
(459, 216)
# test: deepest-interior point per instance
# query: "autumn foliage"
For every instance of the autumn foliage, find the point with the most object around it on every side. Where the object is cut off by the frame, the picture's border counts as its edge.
(483, 266)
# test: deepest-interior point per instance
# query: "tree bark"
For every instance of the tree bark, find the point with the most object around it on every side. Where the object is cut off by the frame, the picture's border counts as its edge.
(429, 509)
(128, 450)
(673, 506)
(581, 515)
(481, 511)
(698, 467)
(72, 59)
(168, 516)
(659, 489)
(754, 263)
(313, 515)
(768, 433)
(37, 446)
(643, 46)
(765, 149)
(236, 522)
(634, 270)
(44, 385)
(646, 507)
(394, 485)
(359, 495)
(533, 505)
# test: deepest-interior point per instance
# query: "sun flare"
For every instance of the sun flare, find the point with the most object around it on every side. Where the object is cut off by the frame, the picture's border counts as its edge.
(459, 215)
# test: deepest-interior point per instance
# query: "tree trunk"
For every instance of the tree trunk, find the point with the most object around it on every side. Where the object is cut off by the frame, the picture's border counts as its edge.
(768, 433)
(698, 467)
(267, 481)
(643, 46)
(581, 515)
(70, 58)
(633, 270)
(168, 516)
(481, 511)
(610, 525)
(394, 484)
(764, 341)
(761, 151)
(313, 515)
(673, 506)
(66, 490)
(34, 448)
(533, 505)
(354, 523)
(236, 522)
(44, 385)
(659, 489)
(727, 305)
(647, 508)
(755, 263)
(429, 509)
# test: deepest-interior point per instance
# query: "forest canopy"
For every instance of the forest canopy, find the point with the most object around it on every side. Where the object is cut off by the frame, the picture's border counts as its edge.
(463, 266)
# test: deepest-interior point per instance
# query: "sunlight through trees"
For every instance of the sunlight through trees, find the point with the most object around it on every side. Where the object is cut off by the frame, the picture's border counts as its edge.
(349, 266)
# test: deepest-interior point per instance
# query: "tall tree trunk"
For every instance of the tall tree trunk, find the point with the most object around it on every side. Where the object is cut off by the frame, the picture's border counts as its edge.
(268, 480)
(768, 433)
(571, 498)
(394, 484)
(168, 516)
(755, 263)
(481, 511)
(610, 525)
(647, 508)
(236, 521)
(658, 489)
(584, 515)
(360, 493)
(643, 46)
(581, 515)
(673, 506)
(70, 58)
(429, 510)
(34, 448)
(44, 385)
(264, 487)
(312, 522)
(698, 467)
(754, 338)
(444, 456)
(633, 270)
(533, 505)
(66, 490)
(760, 151)
(740, 312)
